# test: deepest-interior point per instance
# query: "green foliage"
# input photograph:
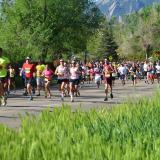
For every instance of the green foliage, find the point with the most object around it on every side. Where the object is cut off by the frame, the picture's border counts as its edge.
(47, 29)
(137, 34)
(129, 131)
(108, 46)
(93, 45)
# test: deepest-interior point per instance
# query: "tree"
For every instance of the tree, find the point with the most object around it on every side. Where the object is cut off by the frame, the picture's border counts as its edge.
(108, 46)
(47, 28)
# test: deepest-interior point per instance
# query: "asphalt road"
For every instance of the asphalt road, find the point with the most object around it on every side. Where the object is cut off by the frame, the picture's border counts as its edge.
(91, 97)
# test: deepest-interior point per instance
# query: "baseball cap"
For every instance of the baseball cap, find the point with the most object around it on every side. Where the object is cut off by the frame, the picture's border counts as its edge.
(61, 60)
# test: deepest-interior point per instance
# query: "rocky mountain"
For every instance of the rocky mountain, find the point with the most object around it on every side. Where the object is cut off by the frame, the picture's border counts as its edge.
(122, 7)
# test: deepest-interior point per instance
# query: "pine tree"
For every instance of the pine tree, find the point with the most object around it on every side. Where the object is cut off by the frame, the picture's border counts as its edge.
(108, 46)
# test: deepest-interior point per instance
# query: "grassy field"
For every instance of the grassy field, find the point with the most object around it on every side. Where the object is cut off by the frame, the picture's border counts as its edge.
(129, 131)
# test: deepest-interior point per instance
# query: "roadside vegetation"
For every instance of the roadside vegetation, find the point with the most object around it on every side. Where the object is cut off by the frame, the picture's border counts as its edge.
(127, 131)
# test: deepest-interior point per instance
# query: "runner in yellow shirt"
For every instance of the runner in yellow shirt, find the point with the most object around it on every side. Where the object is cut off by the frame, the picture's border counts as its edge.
(11, 78)
(3, 78)
(39, 78)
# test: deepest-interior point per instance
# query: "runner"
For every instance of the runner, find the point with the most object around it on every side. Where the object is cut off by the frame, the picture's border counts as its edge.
(39, 78)
(83, 74)
(29, 68)
(3, 78)
(22, 74)
(122, 71)
(77, 92)
(133, 71)
(101, 67)
(98, 72)
(145, 70)
(152, 72)
(88, 75)
(11, 78)
(61, 71)
(66, 80)
(47, 74)
(114, 73)
(74, 79)
(108, 80)
(91, 72)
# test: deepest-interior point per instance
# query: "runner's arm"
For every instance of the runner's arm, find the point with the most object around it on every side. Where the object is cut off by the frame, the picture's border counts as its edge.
(22, 69)
(56, 71)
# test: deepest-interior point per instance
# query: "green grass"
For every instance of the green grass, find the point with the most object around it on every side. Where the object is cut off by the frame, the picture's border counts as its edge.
(130, 131)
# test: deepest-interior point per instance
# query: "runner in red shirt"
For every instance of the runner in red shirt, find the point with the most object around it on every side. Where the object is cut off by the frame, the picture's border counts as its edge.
(108, 79)
(92, 74)
(29, 69)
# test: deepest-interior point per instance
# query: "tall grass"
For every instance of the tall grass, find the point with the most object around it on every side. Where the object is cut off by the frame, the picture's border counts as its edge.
(129, 131)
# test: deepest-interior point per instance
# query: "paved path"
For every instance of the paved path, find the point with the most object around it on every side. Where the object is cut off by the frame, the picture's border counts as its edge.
(90, 97)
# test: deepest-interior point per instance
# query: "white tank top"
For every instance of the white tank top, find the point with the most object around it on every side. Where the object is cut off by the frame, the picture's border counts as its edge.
(73, 73)
(62, 70)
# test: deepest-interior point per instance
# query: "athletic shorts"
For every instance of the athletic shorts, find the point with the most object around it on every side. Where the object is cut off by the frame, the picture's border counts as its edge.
(74, 81)
(40, 81)
(108, 80)
(152, 76)
(46, 81)
(29, 81)
(11, 79)
(60, 81)
(97, 79)
(133, 77)
(122, 77)
(3, 79)
(144, 73)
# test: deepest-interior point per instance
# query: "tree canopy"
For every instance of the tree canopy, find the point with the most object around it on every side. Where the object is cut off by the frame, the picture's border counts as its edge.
(47, 29)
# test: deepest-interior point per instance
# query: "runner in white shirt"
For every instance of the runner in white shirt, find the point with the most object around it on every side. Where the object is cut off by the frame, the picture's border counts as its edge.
(61, 71)
(145, 68)
(74, 79)
(98, 72)
(122, 71)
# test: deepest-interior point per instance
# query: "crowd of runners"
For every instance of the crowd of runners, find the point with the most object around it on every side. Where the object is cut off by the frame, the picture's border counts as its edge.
(71, 75)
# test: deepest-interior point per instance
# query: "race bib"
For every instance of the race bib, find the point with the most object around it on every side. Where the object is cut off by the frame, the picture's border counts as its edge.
(27, 70)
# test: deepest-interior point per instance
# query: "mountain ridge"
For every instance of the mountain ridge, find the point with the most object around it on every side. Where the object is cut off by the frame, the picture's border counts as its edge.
(123, 7)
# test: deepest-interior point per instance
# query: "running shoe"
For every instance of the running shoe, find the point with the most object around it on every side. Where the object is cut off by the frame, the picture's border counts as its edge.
(78, 93)
(38, 94)
(3, 101)
(33, 91)
(72, 100)
(111, 95)
(8, 92)
(25, 94)
(105, 99)
(31, 98)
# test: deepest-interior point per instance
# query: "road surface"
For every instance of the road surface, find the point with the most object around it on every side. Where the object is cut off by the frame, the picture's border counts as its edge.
(90, 97)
